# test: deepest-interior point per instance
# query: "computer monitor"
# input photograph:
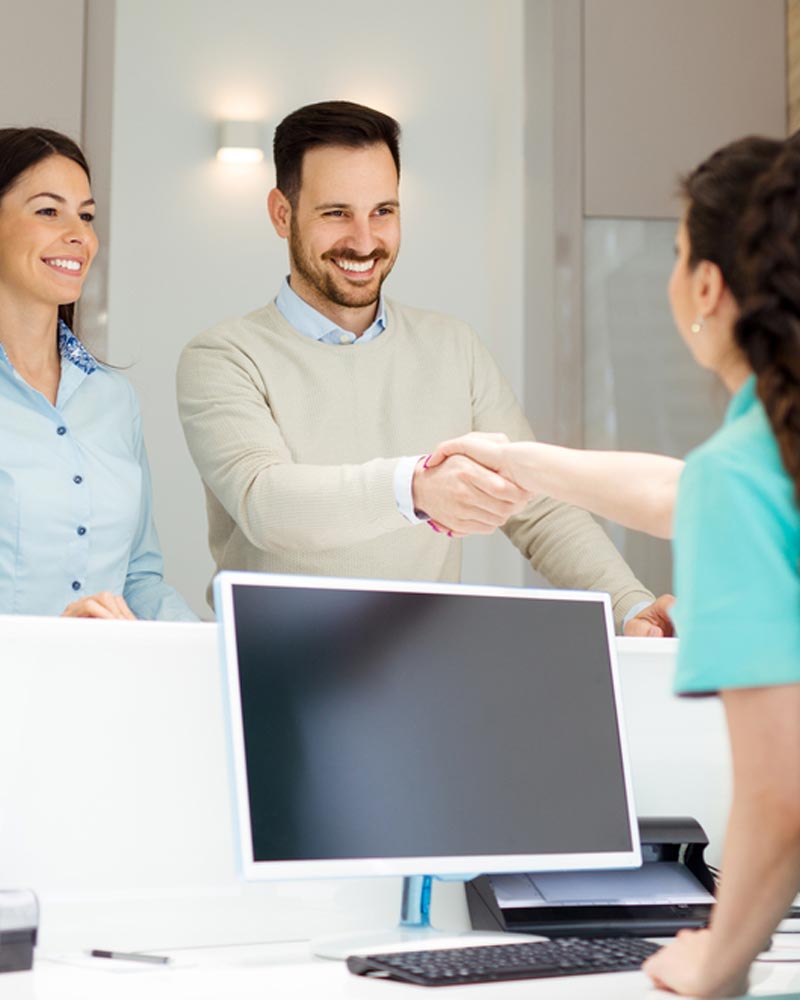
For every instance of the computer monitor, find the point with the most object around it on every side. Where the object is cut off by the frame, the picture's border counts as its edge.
(416, 729)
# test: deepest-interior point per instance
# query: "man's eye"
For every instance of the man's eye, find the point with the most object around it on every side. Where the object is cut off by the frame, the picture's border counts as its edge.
(385, 210)
(335, 213)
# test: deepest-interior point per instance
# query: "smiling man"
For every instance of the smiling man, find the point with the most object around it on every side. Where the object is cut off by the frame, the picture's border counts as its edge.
(309, 420)
(340, 250)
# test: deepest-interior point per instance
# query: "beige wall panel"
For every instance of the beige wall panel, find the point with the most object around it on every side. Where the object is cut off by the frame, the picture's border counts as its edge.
(667, 82)
(793, 53)
(41, 64)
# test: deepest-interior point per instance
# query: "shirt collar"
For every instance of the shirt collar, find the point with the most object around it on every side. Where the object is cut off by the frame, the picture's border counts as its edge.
(69, 349)
(311, 323)
(744, 398)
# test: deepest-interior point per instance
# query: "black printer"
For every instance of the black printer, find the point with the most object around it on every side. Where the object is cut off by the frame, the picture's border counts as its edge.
(672, 889)
(19, 919)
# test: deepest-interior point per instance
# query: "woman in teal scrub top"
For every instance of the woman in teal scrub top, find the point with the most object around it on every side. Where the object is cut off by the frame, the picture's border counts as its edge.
(733, 513)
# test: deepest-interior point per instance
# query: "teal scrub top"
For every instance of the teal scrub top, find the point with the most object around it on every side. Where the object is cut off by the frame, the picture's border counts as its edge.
(737, 559)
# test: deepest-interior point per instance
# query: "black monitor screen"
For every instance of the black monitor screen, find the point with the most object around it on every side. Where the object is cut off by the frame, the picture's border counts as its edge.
(393, 724)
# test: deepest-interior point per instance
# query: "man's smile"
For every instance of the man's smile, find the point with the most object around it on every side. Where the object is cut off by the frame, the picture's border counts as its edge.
(360, 267)
(355, 265)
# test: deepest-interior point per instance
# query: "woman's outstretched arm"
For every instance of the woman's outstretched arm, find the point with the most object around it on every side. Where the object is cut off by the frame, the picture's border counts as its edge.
(634, 489)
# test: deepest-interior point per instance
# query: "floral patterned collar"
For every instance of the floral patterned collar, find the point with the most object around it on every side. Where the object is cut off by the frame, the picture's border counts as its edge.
(71, 349)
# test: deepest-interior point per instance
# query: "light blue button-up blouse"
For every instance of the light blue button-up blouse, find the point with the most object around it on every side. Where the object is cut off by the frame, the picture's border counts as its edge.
(75, 494)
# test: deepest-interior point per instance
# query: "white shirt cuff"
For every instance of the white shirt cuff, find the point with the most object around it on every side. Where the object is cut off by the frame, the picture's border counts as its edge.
(633, 612)
(403, 478)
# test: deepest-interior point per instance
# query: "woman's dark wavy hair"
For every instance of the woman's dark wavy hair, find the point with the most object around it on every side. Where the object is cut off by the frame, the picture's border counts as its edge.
(22, 148)
(743, 214)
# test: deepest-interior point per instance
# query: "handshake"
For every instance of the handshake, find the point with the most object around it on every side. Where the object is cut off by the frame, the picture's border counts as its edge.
(474, 484)
(466, 487)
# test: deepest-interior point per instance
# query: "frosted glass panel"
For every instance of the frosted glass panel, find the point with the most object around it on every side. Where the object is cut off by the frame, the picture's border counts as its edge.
(643, 391)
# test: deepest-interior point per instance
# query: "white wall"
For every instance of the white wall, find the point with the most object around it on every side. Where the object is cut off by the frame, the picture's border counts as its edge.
(190, 239)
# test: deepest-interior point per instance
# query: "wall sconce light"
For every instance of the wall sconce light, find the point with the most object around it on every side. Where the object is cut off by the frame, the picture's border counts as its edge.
(240, 142)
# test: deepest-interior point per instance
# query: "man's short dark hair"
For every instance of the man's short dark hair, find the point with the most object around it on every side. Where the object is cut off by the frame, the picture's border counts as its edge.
(329, 123)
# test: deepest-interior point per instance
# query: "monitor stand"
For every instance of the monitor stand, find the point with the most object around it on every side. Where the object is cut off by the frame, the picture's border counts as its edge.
(414, 931)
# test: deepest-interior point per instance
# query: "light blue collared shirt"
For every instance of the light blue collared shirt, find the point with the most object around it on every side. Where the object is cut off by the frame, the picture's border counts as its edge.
(311, 323)
(75, 495)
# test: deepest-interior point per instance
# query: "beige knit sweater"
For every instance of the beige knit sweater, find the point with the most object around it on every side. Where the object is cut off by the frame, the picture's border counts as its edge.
(296, 442)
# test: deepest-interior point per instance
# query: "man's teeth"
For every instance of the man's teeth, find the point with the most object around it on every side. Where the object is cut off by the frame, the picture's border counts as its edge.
(356, 265)
(68, 265)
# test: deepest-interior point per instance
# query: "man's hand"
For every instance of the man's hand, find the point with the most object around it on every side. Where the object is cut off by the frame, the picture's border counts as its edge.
(465, 498)
(102, 605)
(682, 967)
(654, 620)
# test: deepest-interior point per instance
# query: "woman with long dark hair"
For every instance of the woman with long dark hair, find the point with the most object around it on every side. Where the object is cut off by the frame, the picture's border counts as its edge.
(76, 531)
(733, 512)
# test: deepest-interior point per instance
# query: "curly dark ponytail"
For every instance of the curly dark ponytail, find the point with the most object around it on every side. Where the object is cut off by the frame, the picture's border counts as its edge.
(743, 214)
(768, 329)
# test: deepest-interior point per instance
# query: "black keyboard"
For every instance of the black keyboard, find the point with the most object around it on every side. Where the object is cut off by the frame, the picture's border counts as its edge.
(524, 960)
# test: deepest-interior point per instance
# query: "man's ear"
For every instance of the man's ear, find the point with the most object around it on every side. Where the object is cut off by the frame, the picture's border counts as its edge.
(708, 288)
(280, 212)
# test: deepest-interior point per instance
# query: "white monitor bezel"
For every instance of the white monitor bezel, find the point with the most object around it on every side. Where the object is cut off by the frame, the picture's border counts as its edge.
(448, 866)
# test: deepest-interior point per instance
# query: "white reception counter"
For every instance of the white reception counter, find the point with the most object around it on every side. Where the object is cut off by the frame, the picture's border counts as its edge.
(114, 806)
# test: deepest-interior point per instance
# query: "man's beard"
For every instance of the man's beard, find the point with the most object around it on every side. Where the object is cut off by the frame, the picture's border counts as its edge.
(325, 283)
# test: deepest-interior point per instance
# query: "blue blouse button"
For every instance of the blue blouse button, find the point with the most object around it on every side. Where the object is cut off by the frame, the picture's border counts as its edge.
(81, 530)
(61, 431)
(76, 585)
(77, 480)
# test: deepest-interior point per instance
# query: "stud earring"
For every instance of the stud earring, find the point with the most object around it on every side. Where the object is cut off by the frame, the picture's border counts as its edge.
(698, 325)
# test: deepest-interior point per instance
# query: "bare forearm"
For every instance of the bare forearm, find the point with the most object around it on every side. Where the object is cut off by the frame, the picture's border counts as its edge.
(761, 863)
(634, 489)
(761, 875)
